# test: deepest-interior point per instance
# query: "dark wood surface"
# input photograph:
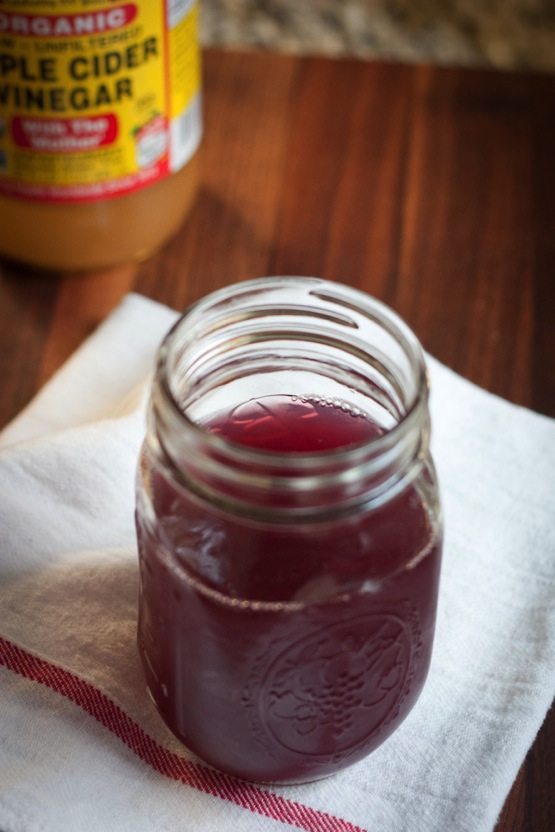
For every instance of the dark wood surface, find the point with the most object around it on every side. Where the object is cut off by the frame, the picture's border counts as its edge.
(430, 188)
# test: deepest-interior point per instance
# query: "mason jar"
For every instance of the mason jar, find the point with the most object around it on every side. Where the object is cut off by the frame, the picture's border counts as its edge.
(289, 528)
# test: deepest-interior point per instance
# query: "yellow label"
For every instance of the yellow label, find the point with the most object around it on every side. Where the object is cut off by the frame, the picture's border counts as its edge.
(97, 98)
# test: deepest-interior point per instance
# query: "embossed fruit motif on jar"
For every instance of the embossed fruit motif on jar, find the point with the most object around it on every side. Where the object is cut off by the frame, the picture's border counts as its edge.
(289, 528)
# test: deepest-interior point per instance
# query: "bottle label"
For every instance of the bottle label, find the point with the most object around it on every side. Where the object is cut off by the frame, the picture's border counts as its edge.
(97, 99)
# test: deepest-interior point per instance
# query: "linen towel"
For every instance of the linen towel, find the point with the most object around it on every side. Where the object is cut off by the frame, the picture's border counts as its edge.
(81, 745)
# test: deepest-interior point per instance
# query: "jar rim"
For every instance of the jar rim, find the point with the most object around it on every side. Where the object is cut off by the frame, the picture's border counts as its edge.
(344, 455)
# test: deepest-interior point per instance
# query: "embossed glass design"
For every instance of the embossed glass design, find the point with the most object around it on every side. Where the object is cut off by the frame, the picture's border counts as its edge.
(289, 528)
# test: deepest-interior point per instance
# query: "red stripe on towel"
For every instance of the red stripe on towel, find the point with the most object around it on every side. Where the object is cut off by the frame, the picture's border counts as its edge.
(200, 777)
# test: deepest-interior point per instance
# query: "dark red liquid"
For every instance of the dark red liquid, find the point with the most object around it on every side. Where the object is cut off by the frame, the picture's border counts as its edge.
(285, 654)
(293, 423)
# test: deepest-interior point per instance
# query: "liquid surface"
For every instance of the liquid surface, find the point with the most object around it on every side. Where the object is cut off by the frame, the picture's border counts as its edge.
(294, 423)
(284, 654)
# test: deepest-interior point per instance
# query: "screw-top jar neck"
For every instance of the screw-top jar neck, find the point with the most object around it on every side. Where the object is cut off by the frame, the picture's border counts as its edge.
(301, 337)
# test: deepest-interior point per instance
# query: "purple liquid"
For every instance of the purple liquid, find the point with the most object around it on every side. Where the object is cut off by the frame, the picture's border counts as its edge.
(283, 655)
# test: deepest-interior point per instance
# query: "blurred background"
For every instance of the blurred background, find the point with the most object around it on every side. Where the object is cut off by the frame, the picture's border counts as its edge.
(505, 34)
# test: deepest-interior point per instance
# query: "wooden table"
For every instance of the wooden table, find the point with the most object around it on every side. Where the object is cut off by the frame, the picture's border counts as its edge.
(430, 188)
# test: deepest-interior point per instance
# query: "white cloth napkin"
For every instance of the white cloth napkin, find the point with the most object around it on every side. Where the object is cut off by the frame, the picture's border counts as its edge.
(81, 745)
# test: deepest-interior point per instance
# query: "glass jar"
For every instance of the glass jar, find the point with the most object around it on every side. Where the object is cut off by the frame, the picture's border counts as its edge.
(289, 528)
